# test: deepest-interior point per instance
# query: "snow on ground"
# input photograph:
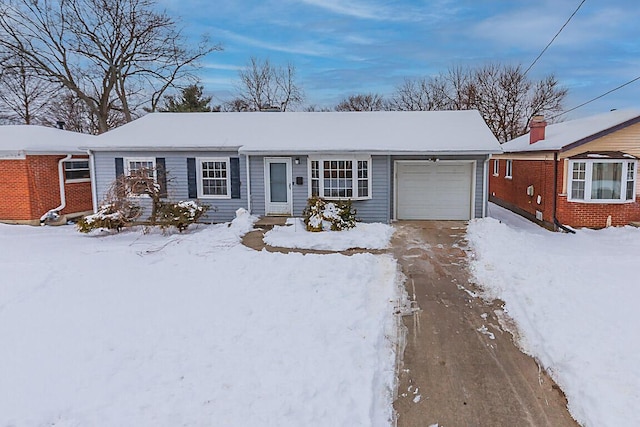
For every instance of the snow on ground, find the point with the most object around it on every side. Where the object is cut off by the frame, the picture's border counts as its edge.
(295, 235)
(574, 299)
(190, 329)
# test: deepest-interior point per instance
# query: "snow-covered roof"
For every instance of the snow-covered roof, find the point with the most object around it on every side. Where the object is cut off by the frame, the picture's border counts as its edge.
(304, 132)
(560, 135)
(33, 139)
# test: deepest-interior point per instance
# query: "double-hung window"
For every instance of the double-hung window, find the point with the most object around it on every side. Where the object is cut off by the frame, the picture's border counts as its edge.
(602, 181)
(341, 178)
(496, 167)
(509, 169)
(141, 173)
(76, 170)
(214, 179)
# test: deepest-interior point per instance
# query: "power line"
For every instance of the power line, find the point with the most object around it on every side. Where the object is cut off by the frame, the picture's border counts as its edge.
(597, 97)
(554, 37)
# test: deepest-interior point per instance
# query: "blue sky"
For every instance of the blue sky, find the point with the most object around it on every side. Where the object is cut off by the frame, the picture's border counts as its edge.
(353, 46)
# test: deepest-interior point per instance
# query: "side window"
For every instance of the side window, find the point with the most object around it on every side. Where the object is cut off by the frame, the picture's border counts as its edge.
(76, 170)
(496, 167)
(509, 169)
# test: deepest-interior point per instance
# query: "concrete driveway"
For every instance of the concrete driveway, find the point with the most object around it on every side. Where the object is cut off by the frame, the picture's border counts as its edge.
(460, 367)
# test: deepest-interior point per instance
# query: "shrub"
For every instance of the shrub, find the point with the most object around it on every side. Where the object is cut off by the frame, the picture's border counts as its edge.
(109, 217)
(179, 215)
(320, 215)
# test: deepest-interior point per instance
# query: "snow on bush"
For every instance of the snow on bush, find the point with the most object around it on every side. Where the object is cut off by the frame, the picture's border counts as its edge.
(320, 215)
(179, 215)
(108, 217)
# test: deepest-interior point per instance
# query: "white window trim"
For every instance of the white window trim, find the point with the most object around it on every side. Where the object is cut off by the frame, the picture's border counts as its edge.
(588, 181)
(508, 169)
(77, 179)
(199, 178)
(127, 170)
(354, 183)
(496, 167)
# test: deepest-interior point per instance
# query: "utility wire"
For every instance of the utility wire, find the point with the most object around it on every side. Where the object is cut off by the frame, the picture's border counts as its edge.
(554, 37)
(596, 98)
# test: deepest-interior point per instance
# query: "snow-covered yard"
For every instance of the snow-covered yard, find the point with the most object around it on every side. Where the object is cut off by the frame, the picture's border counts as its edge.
(190, 329)
(574, 299)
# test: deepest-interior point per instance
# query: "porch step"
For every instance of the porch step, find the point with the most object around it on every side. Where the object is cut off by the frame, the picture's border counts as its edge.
(268, 222)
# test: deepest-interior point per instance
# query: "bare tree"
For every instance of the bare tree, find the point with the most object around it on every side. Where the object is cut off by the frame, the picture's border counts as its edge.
(68, 110)
(24, 96)
(264, 86)
(313, 108)
(362, 102)
(236, 105)
(502, 94)
(113, 55)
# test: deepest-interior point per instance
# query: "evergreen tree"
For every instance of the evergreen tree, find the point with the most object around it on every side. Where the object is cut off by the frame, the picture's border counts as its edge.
(190, 101)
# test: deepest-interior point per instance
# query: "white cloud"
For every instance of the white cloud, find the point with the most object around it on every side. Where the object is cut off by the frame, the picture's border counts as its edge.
(310, 48)
(367, 10)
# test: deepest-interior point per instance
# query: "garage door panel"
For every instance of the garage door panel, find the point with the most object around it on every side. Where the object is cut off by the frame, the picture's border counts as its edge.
(434, 190)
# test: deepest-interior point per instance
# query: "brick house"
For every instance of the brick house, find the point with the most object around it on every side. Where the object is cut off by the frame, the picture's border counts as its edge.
(42, 171)
(579, 173)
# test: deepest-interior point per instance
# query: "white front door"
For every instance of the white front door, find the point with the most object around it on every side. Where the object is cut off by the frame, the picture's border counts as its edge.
(277, 179)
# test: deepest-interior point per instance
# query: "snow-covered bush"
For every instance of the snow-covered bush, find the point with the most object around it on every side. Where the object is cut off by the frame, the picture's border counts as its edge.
(320, 215)
(179, 215)
(109, 217)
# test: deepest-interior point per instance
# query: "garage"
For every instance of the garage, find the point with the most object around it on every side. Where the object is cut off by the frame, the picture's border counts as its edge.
(434, 190)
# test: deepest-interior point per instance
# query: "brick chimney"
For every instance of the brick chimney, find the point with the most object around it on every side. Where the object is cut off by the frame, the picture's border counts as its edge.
(537, 127)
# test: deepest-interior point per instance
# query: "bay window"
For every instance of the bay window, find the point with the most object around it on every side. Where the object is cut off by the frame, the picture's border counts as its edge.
(602, 181)
(340, 178)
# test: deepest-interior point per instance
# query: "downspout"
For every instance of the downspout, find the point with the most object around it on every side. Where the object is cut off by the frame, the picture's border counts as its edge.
(556, 223)
(53, 214)
(248, 185)
(485, 190)
(94, 187)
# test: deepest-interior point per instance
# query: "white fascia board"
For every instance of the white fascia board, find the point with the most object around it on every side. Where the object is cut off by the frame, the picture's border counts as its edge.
(369, 152)
(160, 148)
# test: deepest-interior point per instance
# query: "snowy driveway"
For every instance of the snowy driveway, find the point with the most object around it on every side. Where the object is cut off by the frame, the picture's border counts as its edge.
(460, 367)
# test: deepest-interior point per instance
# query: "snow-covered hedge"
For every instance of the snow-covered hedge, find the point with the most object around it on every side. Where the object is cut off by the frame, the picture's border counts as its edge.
(320, 215)
(179, 215)
(108, 217)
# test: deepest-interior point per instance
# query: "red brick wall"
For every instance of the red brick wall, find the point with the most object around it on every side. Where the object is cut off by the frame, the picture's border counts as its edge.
(539, 173)
(29, 188)
(594, 215)
(14, 190)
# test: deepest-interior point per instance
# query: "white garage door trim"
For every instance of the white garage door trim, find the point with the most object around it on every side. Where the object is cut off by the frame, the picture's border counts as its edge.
(471, 163)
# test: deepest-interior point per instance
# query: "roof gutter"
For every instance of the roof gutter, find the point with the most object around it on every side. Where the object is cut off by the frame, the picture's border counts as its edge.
(374, 152)
(556, 223)
(54, 213)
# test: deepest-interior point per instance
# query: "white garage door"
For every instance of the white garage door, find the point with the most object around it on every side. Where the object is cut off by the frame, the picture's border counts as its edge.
(434, 190)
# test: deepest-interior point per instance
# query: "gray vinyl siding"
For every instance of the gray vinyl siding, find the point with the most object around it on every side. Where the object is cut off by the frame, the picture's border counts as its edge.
(258, 191)
(479, 196)
(380, 208)
(222, 210)
(374, 210)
